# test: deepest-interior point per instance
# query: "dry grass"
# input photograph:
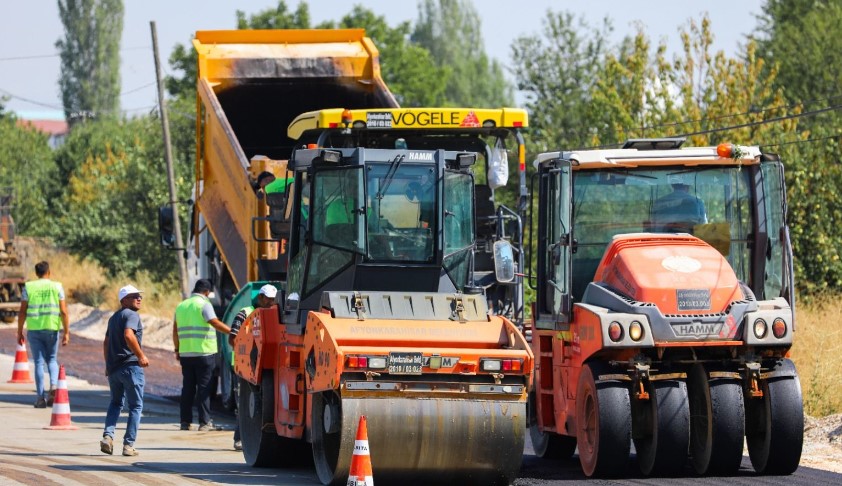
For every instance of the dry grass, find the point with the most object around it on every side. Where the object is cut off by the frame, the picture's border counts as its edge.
(86, 282)
(817, 352)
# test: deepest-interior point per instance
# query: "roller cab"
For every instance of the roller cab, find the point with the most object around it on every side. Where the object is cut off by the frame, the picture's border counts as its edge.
(384, 315)
(665, 311)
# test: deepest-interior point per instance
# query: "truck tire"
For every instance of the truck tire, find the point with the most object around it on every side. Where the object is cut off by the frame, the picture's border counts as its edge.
(603, 424)
(547, 445)
(775, 423)
(717, 423)
(662, 428)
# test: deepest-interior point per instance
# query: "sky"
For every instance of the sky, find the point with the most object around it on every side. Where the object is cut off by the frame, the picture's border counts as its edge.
(29, 63)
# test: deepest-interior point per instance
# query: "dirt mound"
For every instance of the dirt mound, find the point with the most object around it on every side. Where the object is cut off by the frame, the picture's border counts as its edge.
(826, 429)
(91, 323)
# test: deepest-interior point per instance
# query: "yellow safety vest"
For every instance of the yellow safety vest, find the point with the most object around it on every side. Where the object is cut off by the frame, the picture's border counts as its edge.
(195, 336)
(43, 311)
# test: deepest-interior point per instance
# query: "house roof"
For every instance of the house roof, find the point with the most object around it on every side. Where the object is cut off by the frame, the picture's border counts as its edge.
(50, 127)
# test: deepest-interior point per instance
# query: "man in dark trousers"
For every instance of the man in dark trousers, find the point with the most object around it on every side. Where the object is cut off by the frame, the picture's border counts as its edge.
(194, 340)
(124, 363)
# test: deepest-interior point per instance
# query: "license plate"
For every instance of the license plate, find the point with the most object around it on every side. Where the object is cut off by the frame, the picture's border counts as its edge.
(405, 363)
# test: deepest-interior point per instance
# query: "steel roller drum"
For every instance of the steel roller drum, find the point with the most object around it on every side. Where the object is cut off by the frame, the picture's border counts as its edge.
(417, 440)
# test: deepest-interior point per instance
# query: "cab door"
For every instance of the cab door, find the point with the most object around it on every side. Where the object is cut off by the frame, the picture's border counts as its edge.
(555, 244)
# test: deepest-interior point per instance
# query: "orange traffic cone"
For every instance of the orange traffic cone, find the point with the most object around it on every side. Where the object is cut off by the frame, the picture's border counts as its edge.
(20, 373)
(61, 406)
(360, 474)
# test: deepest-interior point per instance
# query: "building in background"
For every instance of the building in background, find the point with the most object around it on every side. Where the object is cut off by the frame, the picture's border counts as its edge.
(52, 123)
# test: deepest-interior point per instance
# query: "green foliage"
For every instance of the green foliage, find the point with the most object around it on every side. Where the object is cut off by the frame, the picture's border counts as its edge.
(184, 59)
(26, 165)
(90, 58)
(408, 69)
(276, 18)
(797, 39)
(450, 31)
(108, 211)
(556, 70)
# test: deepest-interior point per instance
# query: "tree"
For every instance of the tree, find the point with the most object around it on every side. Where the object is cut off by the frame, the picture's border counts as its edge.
(26, 165)
(408, 69)
(278, 18)
(450, 30)
(108, 210)
(556, 70)
(797, 38)
(90, 58)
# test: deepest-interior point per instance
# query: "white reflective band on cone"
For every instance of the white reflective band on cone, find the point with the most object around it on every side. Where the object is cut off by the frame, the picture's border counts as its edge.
(360, 447)
(61, 384)
(61, 409)
(21, 366)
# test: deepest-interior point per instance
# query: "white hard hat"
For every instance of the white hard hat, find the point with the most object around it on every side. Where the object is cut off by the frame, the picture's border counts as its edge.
(128, 290)
(269, 291)
(679, 178)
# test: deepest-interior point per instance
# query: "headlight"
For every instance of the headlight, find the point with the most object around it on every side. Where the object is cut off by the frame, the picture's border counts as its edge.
(491, 365)
(615, 331)
(636, 331)
(760, 328)
(779, 328)
(378, 362)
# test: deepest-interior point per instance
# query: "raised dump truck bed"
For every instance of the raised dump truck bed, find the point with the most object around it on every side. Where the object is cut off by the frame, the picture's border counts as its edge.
(251, 85)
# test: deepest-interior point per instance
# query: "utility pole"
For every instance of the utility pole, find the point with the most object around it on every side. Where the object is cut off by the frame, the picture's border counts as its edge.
(165, 125)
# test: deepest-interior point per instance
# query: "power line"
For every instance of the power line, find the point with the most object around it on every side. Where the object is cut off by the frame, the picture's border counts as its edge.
(39, 103)
(762, 122)
(42, 56)
(733, 115)
(124, 93)
(808, 140)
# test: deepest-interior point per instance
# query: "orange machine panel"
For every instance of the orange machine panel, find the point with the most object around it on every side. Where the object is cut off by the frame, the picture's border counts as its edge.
(680, 274)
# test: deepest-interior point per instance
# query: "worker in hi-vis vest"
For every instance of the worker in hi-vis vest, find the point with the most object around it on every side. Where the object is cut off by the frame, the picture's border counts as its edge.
(265, 300)
(44, 311)
(194, 340)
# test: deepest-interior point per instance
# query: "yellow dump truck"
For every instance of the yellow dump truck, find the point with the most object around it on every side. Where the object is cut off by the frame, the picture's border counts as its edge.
(251, 85)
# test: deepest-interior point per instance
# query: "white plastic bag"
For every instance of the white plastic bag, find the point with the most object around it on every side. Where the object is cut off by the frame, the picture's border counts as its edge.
(498, 166)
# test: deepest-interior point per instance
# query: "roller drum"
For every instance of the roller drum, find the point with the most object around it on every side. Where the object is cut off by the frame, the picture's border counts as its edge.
(448, 441)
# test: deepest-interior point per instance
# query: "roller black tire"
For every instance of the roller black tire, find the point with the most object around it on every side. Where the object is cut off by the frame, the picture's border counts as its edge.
(260, 448)
(603, 424)
(662, 428)
(775, 423)
(717, 423)
(547, 445)
(326, 445)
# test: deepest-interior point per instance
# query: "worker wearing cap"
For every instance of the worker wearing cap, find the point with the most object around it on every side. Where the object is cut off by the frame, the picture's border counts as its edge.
(678, 211)
(194, 340)
(44, 312)
(265, 299)
(124, 363)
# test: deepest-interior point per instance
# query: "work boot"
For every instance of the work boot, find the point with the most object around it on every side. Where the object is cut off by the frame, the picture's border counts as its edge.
(106, 445)
(206, 427)
(129, 451)
(51, 397)
(238, 445)
(185, 426)
(40, 403)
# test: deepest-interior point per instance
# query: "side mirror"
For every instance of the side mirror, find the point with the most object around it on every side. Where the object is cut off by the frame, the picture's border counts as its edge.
(504, 262)
(165, 226)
